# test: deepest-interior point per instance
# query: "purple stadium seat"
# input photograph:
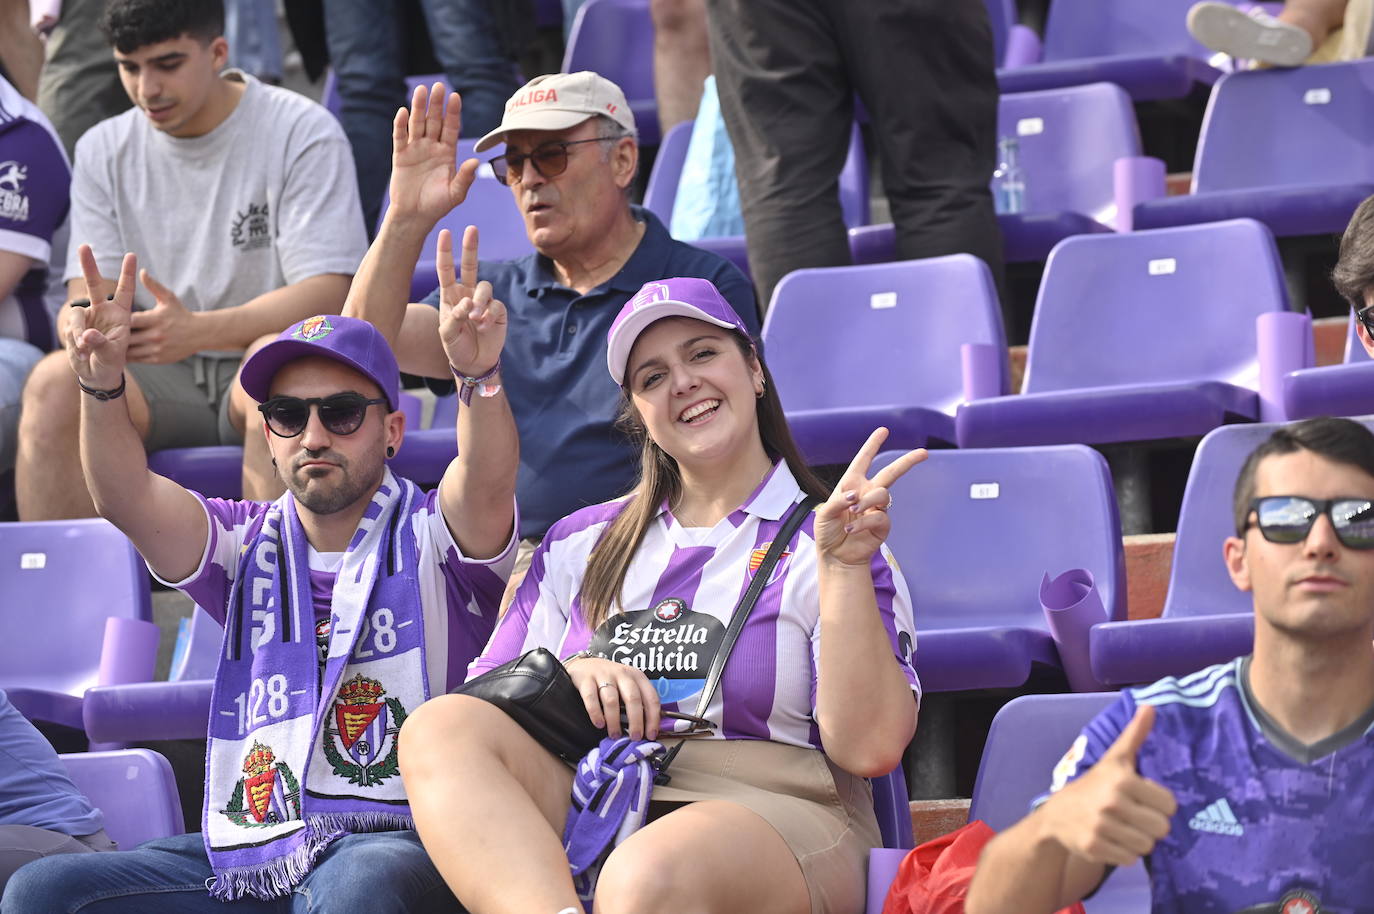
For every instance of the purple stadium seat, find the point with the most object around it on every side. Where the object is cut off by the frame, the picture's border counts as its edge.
(1013, 45)
(1148, 335)
(616, 39)
(661, 192)
(1205, 620)
(1332, 390)
(1289, 147)
(1028, 737)
(489, 206)
(1143, 47)
(852, 348)
(975, 532)
(62, 581)
(1070, 140)
(134, 789)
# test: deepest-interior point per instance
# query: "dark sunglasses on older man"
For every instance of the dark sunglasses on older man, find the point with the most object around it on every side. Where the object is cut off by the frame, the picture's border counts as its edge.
(550, 160)
(340, 414)
(1289, 518)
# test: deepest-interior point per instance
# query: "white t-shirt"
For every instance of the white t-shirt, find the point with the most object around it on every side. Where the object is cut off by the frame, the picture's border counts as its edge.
(266, 199)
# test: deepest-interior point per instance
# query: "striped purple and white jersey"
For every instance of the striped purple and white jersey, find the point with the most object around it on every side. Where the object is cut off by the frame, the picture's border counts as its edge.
(460, 596)
(679, 592)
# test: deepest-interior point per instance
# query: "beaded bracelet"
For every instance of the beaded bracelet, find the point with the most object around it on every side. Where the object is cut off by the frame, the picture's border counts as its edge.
(466, 384)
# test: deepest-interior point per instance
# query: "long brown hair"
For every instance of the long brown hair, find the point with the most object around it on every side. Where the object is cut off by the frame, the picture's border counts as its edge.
(659, 479)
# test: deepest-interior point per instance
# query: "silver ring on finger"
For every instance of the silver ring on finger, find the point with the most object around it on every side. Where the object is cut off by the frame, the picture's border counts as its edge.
(888, 506)
(605, 685)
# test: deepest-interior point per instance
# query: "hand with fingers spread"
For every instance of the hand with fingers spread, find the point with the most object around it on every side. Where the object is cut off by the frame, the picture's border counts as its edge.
(472, 324)
(425, 181)
(168, 332)
(98, 335)
(853, 522)
(608, 687)
(1110, 815)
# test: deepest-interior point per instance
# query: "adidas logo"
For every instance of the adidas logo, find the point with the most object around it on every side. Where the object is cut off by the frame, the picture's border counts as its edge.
(1217, 819)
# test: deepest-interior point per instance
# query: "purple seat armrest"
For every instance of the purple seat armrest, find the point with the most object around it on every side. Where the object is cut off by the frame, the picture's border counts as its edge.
(1135, 179)
(1144, 650)
(982, 370)
(148, 711)
(1285, 345)
(1023, 47)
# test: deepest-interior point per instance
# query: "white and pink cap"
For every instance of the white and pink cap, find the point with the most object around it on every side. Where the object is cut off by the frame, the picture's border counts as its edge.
(679, 297)
(557, 101)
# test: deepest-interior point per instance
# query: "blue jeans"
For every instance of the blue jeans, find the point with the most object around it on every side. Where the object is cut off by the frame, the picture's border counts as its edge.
(367, 51)
(380, 872)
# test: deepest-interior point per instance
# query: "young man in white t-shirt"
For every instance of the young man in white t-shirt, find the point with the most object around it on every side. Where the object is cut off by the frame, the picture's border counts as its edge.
(238, 199)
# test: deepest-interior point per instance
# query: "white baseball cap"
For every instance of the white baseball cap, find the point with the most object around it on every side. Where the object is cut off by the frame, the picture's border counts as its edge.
(557, 101)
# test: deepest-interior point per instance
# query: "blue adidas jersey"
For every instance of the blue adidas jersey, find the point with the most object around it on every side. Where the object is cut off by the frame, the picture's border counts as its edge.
(1264, 823)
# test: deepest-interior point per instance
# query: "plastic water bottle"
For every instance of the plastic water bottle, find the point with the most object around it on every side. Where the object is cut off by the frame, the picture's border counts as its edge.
(1008, 181)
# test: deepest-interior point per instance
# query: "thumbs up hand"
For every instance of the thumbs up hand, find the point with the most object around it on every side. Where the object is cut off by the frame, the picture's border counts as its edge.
(1111, 815)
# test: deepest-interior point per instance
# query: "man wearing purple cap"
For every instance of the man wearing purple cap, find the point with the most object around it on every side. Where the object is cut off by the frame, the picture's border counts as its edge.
(570, 161)
(346, 603)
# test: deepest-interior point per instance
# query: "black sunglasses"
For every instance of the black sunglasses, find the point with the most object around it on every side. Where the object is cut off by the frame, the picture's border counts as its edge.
(341, 414)
(550, 160)
(1366, 316)
(1288, 519)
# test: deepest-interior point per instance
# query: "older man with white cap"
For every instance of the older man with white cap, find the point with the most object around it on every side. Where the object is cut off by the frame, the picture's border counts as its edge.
(570, 162)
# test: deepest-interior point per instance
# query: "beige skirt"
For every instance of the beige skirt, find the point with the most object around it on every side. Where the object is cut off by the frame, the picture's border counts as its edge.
(824, 813)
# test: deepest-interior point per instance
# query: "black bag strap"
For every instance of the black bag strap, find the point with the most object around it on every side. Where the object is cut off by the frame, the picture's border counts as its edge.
(790, 525)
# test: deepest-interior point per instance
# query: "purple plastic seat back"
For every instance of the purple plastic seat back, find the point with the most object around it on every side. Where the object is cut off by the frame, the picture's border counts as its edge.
(885, 333)
(1076, 29)
(61, 581)
(1152, 307)
(661, 191)
(134, 789)
(1002, 16)
(1028, 737)
(975, 531)
(1069, 140)
(616, 39)
(1305, 125)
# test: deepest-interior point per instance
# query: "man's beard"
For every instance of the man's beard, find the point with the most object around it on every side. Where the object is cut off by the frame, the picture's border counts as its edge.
(351, 487)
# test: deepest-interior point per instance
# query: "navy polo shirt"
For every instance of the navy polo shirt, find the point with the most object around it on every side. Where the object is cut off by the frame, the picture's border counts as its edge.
(554, 369)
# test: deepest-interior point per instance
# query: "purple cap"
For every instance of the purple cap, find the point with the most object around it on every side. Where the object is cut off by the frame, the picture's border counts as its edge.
(349, 340)
(680, 297)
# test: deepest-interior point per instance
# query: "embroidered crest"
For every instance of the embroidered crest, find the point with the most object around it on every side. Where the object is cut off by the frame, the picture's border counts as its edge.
(669, 610)
(366, 727)
(757, 556)
(314, 328)
(267, 794)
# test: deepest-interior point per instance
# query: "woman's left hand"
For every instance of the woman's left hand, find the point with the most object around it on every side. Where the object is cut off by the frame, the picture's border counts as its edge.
(853, 522)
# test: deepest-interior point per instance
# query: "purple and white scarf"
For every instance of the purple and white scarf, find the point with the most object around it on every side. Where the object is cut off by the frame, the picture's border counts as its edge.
(294, 762)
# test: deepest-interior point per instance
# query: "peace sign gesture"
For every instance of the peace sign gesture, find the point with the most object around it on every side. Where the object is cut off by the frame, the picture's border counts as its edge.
(425, 182)
(853, 522)
(98, 335)
(472, 324)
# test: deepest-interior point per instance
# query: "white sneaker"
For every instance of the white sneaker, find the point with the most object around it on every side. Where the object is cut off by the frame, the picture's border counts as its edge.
(1248, 34)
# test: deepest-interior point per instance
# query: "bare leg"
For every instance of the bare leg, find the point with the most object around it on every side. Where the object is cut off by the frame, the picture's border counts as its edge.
(750, 867)
(489, 804)
(1319, 18)
(260, 479)
(682, 58)
(48, 482)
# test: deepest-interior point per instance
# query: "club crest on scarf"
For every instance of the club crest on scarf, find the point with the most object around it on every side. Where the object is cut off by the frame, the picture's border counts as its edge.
(267, 794)
(365, 726)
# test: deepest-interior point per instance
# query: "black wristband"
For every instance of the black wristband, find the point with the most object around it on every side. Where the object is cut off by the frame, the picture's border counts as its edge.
(113, 393)
(80, 302)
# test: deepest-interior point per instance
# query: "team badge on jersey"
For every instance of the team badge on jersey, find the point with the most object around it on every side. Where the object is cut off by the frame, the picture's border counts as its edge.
(365, 727)
(1067, 766)
(757, 556)
(267, 794)
(1299, 902)
(14, 203)
(669, 610)
(314, 328)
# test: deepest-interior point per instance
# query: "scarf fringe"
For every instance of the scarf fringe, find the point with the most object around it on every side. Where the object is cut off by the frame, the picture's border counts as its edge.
(277, 877)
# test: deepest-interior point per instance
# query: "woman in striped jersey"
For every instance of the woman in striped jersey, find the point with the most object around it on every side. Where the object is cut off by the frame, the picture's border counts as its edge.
(771, 812)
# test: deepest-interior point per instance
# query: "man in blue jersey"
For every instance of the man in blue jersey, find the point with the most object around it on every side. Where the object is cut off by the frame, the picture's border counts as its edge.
(1247, 786)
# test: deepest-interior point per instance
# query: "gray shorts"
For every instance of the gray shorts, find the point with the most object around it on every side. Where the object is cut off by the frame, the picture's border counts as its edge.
(188, 401)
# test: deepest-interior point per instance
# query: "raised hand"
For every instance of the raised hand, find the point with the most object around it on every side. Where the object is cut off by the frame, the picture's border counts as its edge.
(1111, 815)
(425, 182)
(853, 522)
(472, 324)
(166, 332)
(98, 336)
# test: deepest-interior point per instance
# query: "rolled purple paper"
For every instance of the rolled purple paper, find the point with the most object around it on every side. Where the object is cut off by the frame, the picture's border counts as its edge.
(981, 365)
(1284, 339)
(1023, 47)
(1135, 179)
(1072, 607)
(129, 653)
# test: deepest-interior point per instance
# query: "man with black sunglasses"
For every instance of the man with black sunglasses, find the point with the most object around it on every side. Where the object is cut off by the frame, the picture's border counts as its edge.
(570, 161)
(346, 603)
(1247, 786)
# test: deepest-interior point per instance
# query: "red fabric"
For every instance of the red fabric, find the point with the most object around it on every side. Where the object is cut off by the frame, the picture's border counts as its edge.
(934, 878)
